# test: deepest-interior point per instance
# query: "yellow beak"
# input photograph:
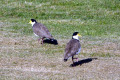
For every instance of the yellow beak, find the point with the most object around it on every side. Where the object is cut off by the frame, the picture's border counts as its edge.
(30, 22)
(79, 35)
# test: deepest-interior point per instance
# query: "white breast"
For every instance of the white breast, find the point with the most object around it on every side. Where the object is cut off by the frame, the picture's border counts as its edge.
(79, 50)
(36, 35)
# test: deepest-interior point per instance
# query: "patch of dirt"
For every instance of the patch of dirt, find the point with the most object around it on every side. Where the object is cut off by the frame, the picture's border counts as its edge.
(20, 58)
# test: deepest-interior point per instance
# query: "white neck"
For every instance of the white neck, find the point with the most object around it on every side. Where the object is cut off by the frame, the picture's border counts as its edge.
(76, 37)
(33, 23)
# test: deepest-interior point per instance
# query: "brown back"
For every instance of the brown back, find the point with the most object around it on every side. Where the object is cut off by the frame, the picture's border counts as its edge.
(41, 30)
(71, 48)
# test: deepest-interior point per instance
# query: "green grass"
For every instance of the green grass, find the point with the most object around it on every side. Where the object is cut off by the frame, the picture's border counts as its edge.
(92, 18)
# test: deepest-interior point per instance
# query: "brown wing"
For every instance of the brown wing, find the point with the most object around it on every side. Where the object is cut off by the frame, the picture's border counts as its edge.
(41, 30)
(71, 48)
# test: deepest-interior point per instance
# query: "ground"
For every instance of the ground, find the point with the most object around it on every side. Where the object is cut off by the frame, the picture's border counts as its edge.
(23, 58)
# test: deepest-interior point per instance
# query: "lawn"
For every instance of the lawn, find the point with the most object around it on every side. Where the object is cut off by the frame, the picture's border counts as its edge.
(22, 58)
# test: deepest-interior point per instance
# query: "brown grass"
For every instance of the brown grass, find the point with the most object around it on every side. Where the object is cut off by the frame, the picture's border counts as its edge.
(22, 58)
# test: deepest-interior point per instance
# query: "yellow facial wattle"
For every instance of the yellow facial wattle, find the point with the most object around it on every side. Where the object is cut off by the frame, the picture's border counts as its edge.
(79, 35)
(30, 22)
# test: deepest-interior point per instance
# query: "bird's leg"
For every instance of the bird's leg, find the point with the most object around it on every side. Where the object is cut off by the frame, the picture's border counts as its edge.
(42, 41)
(39, 40)
(77, 59)
(73, 59)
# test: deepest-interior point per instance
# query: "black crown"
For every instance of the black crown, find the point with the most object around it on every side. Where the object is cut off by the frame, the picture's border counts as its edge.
(33, 20)
(75, 33)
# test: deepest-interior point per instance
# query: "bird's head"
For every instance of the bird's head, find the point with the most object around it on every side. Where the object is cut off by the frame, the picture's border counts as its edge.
(33, 21)
(76, 35)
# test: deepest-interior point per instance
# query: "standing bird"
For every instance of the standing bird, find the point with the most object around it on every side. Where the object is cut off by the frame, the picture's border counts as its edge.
(41, 31)
(73, 47)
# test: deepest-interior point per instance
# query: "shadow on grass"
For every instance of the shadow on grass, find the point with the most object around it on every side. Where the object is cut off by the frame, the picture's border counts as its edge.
(51, 41)
(82, 62)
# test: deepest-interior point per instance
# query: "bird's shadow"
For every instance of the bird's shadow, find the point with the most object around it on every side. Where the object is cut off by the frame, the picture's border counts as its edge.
(82, 62)
(51, 41)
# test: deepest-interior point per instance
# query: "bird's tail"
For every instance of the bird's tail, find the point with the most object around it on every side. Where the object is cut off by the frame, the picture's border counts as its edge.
(65, 60)
(50, 41)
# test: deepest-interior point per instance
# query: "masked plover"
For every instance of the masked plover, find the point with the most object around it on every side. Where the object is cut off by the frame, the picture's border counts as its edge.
(73, 47)
(41, 31)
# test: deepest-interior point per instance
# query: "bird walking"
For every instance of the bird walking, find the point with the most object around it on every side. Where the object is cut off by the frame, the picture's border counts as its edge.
(73, 47)
(41, 31)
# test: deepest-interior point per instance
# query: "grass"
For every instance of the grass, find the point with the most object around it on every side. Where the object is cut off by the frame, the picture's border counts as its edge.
(22, 58)
(94, 18)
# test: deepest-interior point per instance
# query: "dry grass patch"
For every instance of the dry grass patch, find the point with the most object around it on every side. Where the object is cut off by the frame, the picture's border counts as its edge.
(22, 58)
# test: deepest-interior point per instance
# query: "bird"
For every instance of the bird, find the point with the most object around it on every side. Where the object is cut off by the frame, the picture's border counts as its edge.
(41, 31)
(73, 47)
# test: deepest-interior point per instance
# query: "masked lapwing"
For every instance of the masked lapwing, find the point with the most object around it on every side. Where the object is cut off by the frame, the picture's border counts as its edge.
(42, 32)
(73, 47)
